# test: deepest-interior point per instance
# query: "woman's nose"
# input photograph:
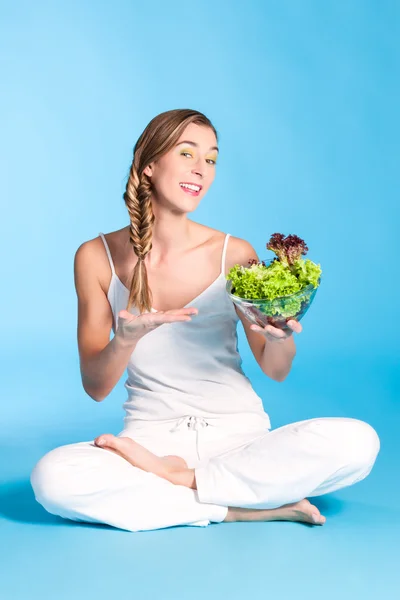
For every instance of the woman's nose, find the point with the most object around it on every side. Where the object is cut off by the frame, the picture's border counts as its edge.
(198, 170)
(198, 167)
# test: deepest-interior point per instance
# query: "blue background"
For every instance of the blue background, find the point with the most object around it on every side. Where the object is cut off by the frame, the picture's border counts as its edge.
(305, 97)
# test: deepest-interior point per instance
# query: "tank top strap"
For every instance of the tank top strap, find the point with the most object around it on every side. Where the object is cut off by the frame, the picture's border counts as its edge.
(224, 254)
(108, 253)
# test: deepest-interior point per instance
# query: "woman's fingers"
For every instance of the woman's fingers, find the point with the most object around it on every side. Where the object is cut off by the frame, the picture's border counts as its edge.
(295, 325)
(133, 327)
(179, 313)
(275, 332)
(278, 333)
(124, 314)
(183, 311)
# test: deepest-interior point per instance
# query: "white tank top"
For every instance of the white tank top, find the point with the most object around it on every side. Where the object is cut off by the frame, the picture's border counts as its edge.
(189, 367)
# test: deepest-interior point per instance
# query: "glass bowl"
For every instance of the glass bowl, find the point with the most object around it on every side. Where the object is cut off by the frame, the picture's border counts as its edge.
(276, 312)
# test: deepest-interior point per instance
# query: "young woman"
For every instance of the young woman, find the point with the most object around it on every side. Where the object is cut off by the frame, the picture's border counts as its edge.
(197, 446)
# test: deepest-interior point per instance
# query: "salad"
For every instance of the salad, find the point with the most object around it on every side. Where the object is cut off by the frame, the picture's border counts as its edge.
(280, 286)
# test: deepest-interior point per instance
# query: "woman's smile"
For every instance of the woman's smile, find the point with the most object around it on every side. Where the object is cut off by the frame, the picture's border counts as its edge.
(190, 190)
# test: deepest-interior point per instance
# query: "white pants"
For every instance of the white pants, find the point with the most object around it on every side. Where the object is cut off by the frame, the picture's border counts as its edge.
(244, 466)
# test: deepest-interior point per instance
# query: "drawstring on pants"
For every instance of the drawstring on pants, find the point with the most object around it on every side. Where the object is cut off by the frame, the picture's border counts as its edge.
(191, 422)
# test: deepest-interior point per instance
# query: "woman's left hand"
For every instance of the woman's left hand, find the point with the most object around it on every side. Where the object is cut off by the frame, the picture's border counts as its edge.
(274, 334)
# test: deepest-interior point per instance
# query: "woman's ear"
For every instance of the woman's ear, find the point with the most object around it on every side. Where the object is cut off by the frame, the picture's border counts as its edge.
(148, 171)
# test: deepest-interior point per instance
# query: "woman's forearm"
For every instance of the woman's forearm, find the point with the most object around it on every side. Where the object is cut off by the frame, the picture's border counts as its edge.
(101, 373)
(277, 357)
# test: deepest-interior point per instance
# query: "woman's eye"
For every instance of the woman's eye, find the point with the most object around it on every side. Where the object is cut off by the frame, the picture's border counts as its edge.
(208, 159)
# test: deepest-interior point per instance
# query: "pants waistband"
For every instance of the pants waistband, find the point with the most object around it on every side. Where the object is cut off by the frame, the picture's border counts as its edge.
(234, 422)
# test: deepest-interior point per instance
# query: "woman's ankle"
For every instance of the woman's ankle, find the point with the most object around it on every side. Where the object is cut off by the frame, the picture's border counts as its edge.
(185, 477)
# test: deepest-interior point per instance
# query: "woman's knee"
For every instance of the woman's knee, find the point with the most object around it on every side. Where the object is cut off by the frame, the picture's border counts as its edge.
(48, 478)
(350, 440)
(67, 473)
(359, 442)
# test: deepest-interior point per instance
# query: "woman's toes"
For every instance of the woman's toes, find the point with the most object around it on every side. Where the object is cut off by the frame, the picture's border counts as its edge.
(318, 518)
(308, 512)
(106, 439)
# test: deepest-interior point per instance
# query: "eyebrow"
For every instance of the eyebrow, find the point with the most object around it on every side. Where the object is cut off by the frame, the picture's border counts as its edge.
(194, 144)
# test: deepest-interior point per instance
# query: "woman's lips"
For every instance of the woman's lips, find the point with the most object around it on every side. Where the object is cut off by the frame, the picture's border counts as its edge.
(191, 192)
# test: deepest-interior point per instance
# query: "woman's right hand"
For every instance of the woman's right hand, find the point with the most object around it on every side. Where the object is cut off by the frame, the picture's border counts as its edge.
(132, 328)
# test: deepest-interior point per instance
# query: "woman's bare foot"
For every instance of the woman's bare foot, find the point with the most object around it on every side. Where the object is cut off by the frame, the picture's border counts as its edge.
(175, 470)
(139, 456)
(302, 511)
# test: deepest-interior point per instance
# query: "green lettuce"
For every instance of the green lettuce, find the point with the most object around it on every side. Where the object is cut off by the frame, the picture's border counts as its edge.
(287, 274)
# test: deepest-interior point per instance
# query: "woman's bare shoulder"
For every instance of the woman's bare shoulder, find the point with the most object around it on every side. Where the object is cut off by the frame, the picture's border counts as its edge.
(239, 251)
(97, 259)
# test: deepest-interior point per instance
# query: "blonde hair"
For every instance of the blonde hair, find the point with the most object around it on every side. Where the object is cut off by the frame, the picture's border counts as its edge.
(160, 136)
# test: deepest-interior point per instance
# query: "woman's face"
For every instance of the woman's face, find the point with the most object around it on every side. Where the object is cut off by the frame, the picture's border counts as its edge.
(191, 161)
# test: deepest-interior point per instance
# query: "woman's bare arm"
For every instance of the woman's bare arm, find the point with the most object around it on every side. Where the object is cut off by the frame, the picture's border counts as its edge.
(102, 362)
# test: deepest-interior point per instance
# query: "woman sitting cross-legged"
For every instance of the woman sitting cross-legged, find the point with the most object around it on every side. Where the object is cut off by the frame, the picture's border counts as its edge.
(197, 446)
